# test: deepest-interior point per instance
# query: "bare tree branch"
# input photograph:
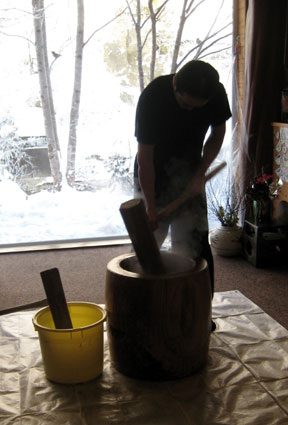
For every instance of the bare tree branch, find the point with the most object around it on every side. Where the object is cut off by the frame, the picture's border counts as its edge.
(131, 13)
(202, 43)
(194, 8)
(18, 10)
(104, 25)
(146, 37)
(211, 28)
(161, 8)
(214, 42)
(187, 11)
(214, 52)
(185, 14)
(19, 36)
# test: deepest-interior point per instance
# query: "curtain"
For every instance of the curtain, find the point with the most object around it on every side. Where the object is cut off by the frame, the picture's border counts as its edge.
(263, 81)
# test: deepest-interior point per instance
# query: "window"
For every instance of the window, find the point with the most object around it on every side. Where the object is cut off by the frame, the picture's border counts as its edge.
(45, 196)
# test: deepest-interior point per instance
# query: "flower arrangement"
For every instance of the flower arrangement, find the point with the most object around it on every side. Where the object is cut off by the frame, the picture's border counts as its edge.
(226, 203)
(262, 190)
(265, 186)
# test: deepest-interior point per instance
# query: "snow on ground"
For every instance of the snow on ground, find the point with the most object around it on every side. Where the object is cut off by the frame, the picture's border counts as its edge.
(68, 214)
(65, 215)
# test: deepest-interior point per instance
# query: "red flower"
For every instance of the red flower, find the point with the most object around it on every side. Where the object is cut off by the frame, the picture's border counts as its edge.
(265, 178)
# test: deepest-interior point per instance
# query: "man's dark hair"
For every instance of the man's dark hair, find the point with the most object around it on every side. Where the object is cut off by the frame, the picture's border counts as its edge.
(198, 79)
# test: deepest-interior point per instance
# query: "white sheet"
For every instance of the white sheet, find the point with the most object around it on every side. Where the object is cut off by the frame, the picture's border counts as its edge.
(245, 381)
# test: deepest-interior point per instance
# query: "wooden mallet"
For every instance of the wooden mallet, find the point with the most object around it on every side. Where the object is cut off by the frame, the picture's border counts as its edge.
(142, 237)
(136, 221)
(174, 205)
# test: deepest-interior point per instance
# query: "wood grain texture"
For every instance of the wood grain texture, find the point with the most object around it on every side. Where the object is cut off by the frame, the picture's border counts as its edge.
(56, 298)
(158, 326)
(135, 218)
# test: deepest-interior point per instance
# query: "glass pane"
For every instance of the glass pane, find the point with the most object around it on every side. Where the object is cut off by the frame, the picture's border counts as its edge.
(32, 210)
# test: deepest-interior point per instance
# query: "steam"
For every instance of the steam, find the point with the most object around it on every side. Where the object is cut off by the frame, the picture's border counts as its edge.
(182, 232)
(189, 223)
(186, 228)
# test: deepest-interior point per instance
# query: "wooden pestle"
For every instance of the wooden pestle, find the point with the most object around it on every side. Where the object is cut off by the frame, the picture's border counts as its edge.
(136, 221)
(56, 298)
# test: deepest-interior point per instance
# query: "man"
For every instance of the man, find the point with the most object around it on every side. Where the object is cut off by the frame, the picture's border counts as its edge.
(174, 113)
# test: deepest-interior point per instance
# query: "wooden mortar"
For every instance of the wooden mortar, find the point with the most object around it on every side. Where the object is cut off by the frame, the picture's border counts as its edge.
(158, 325)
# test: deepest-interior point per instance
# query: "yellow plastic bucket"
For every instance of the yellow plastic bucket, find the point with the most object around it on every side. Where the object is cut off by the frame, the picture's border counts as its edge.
(72, 356)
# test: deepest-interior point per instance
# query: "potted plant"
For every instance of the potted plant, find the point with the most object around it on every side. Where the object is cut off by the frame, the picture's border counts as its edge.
(225, 205)
(259, 197)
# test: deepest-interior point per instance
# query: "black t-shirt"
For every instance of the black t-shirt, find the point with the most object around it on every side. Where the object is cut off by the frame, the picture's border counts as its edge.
(177, 134)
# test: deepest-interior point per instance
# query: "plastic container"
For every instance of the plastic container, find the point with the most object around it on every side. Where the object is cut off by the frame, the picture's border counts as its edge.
(72, 356)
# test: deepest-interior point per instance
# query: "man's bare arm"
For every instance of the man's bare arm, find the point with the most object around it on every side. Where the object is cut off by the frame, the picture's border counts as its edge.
(146, 174)
(213, 145)
(210, 151)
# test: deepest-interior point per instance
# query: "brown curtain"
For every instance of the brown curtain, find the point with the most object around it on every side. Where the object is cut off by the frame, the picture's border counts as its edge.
(264, 80)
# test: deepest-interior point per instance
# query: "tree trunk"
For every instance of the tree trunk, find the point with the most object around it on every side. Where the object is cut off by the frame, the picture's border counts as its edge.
(139, 46)
(46, 91)
(74, 113)
(154, 40)
(178, 38)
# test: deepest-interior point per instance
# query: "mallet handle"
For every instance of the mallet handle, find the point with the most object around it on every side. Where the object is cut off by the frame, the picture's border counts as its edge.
(174, 205)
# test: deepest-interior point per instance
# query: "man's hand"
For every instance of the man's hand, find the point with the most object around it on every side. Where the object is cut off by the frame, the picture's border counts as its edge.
(190, 192)
(152, 218)
(196, 186)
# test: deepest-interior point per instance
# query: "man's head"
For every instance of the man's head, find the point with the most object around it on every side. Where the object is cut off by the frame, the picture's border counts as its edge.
(197, 79)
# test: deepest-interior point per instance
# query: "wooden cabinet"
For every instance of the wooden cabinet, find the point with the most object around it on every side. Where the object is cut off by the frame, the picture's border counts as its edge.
(265, 245)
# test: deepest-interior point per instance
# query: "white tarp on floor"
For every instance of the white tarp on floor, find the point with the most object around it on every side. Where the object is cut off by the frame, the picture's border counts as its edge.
(245, 381)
